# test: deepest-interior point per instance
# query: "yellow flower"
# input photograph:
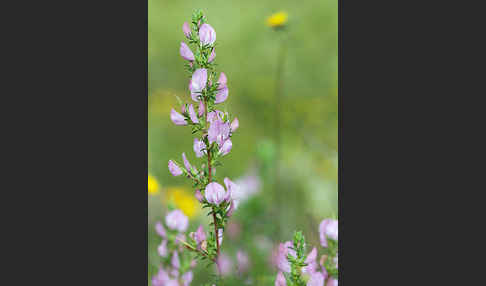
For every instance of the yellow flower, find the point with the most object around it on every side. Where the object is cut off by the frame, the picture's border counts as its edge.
(183, 200)
(153, 185)
(277, 20)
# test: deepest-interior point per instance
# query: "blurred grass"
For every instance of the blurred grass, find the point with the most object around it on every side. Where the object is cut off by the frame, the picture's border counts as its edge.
(247, 52)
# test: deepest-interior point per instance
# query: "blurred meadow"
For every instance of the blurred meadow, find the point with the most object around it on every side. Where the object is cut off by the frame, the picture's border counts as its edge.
(248, 52)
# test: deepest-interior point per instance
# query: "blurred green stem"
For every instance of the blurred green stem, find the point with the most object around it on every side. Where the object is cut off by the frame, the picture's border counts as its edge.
(279, 84)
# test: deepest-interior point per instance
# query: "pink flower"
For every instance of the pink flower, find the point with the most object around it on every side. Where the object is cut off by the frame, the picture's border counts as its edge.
(332, 282)
(187, 278)
(159, 228)
(176, 220)
(316, 279)
(311, 262)
(280, 281)
(162, 249)
(177, 118)
(207, 35)
(185, 52)
(328, 229)
(224, 264)
(199, 147)
(215, 193)
(174, 169)
(284, 250)
(198, 83)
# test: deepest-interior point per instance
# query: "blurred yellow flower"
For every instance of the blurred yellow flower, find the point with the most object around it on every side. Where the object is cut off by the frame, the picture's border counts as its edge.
(277, 20)
(153, 185)
(183, 200)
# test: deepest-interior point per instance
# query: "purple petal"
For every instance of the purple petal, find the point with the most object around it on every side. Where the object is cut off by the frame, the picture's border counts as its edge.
(177, 118)
(226, 148)
(186, 163)
(231, 209)
(187, 278)
(192, 114)
(187, 30)
(243, 261)
(200, 235)
(332, 282)
(280, 281)
(222, 80)
(220, 236)
(198, 147)
(174, 169)
(207, 35)
(212, 56)
(316, 279)
(222, 95)
(200, 109)
(185, 52)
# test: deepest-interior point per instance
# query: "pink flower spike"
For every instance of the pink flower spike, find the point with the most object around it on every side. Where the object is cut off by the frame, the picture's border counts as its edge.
(212, 56)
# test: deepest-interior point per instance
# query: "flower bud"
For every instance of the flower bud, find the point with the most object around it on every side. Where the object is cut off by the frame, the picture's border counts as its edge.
(214, 193)
(234, 125)
(186, 162)
(199, 196)
(220, 236)
(198, 83)
(176, 220)
(200, 235)
(177, 118)
(162, 249)
(187, 30)
(174, 169)
(207, 35)
(186, 52)
(159, 228)
(222, 80)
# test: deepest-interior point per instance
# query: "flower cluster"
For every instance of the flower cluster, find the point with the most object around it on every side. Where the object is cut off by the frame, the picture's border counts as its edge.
(176, 268)
(296, 268)
(213, 129)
